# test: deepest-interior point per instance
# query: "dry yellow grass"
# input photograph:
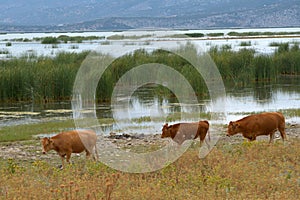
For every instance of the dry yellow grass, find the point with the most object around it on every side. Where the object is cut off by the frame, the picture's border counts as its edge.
(245, 170)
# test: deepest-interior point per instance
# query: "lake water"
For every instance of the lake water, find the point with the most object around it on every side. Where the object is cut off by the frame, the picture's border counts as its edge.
(148, 39)
(148, 114)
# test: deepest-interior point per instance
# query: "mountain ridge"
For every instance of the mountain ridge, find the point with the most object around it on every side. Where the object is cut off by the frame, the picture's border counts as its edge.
(92, 15)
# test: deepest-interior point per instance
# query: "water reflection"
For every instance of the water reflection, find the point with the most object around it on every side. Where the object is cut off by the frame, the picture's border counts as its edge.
(147, 111)
(262, 92)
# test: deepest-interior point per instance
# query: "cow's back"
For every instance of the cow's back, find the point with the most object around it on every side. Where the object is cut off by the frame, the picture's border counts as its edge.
(264, 122)
(88, 138)
(75, 141)
(185, 131)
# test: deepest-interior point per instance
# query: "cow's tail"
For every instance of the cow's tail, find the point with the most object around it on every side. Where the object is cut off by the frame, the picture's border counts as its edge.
(208, 131)
(208, 134)
(96, 153)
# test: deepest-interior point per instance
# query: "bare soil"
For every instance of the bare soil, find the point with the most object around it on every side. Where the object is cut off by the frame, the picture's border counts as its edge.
(31, 150)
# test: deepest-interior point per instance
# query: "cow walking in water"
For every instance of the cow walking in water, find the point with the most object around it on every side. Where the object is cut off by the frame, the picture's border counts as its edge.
(186, 131)
(69, 142)
(259, 124)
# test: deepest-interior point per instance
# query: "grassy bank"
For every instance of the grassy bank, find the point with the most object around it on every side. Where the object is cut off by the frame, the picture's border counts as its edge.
(242, 171)
(28, 131)
(45, 79)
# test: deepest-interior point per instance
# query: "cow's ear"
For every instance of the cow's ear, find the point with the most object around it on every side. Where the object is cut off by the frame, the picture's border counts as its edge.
(166, 125)
(233, 124)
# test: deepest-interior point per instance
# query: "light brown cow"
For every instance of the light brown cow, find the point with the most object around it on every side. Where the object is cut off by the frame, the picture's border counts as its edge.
(259, 124)
(69, 142)
(186, 131)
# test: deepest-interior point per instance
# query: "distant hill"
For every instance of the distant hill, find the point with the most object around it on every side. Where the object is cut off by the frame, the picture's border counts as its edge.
(72, 15)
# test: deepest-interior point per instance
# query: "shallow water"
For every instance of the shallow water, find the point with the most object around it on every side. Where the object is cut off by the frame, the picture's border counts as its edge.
(151, 39)
(146, 113)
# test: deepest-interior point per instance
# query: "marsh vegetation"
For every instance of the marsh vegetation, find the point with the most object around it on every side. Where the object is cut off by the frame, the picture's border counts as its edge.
(45, 79)
(234, 169)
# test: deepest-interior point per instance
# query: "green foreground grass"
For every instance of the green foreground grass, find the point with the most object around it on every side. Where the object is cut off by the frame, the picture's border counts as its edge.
(245, 170)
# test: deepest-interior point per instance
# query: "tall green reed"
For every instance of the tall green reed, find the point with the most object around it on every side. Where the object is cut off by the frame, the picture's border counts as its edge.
(44, 79)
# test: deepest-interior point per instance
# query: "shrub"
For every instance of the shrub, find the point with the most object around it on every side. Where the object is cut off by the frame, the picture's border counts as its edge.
(8, 44)
(49, 40)
(243, 44)
(194, 34)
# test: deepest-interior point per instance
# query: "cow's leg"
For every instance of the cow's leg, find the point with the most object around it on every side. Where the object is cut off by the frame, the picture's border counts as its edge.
(96, 153)
(62, 161)
(251, 138)
(282, 133)
(88, 154)
(201, 142)
(271, 138)
(68, 157)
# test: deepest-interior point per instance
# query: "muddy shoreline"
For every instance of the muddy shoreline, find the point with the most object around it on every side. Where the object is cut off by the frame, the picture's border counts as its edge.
(30, 150)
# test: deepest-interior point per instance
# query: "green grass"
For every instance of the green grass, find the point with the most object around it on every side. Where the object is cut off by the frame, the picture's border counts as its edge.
(245, 43)
(8, 44)
(173, 117)
(65, 39)
(290, 112)
(275, 44)
(28, 131)
(195, 35)
(4, 51)
(253, 33)
(175, 36)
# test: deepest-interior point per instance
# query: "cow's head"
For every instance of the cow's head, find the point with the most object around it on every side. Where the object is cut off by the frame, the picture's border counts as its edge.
(165, 131)
(47, 144)
(233, 128)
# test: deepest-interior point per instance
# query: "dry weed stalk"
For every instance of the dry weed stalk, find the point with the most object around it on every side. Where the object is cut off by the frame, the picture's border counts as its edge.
(110, 183)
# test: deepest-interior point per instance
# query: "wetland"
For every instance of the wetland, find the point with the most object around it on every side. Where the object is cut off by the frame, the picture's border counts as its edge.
(36, 89)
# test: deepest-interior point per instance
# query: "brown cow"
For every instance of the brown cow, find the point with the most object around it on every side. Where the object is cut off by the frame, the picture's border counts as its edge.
(69, 142)
(259, 124)
(186, 131)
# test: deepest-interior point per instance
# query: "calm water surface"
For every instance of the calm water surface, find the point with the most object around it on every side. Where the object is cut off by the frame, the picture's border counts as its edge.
(147, 112)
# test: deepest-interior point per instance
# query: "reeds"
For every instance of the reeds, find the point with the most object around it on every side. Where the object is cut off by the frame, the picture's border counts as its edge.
(45, 79)
(245, 66)
(39, 79)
